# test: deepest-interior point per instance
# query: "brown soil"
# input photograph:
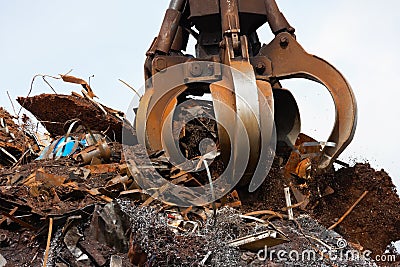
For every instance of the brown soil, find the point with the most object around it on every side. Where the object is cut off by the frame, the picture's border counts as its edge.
(374, 223)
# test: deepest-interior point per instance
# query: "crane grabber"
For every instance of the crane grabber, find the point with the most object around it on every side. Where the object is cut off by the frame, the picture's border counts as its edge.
(253, 111)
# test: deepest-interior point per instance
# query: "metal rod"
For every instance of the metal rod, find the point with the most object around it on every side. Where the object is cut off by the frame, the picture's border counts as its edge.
(289, 203)
(177, 4)
(276, 19)
(229, 15)
(169, 27)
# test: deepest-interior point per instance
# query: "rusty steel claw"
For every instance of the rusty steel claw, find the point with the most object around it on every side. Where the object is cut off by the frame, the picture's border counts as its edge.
(290, 60)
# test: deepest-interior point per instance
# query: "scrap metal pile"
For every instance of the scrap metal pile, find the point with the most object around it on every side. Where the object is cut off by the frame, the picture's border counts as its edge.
(211, 171)
(62, 210)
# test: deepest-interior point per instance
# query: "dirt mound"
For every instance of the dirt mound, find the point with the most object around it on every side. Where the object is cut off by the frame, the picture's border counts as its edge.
(373, 224)
(375, 221)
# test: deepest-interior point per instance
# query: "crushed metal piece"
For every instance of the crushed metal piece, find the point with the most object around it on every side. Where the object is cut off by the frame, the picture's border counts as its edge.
(48, 178)
(94, 154)
(116, 261)
(93, 248)
(109, 225)
(85, 85)
(289, 203)
(258, 241)
(203, 261)
(3, 261)
(71, 240)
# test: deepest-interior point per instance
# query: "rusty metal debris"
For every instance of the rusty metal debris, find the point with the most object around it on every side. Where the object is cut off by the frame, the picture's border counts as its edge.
(73, 107)
(99, 215)
(110, 225)
(17, 142)
(259, 241)
(71, 197)
(94, 154)
(3, 261)
(288, 203)
(85, 85)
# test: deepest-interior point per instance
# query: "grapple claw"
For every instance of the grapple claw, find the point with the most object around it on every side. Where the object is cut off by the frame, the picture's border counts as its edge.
(289, 60)
(243, 79)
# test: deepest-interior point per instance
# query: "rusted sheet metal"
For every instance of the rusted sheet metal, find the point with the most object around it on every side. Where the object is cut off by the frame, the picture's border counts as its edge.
(259, 241)
(85, 85)
(103, 168)
(306, 154)
(48, 178)
(69, 107)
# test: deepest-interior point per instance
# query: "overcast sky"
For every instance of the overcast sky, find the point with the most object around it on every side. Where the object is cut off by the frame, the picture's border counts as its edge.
(108, 39)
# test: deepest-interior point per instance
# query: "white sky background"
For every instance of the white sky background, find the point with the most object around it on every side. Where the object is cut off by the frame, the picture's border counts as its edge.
(109, 39)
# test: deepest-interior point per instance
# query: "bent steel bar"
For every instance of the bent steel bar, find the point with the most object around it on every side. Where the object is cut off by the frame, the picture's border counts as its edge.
(289, 60)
